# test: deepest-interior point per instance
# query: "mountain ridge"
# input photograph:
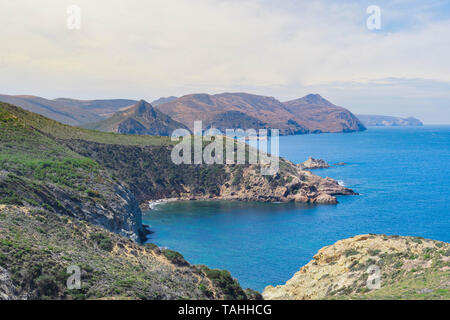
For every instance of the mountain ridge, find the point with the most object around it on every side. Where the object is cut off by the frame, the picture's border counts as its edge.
(142, 118)
(310, 114)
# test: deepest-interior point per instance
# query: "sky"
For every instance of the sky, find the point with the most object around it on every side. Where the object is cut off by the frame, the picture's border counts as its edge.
(282, 48)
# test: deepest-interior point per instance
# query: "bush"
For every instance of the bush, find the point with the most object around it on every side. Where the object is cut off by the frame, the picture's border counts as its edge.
(175, 257)
(351, 252)
(103, 241)
(222, 278)
(373, 253)
(46, 286)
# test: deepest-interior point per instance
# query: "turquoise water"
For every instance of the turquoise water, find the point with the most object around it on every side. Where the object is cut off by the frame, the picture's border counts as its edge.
(401, 173)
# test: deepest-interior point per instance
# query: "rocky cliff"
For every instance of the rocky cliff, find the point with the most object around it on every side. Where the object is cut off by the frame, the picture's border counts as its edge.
(409, 268)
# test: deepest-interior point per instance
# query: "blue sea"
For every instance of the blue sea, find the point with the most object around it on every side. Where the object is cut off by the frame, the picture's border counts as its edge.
(401, 173)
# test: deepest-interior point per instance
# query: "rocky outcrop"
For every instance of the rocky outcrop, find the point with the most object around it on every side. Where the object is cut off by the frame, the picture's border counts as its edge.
(312, 163)
(8, 290)
(290, 184)
(342, 270)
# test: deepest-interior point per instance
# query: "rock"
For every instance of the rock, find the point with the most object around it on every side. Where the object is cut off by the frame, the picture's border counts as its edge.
(300, 198)
(341, 270)
(324, 198)
(312, 163)
(7, 289)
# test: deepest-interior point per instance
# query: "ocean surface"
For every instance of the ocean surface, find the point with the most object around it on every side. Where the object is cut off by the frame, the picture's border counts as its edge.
(401, 173)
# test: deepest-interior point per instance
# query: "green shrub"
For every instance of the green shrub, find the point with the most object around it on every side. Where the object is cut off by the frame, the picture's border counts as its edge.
(373, 253)
(351, 252)
(103, 241)
(174, 257)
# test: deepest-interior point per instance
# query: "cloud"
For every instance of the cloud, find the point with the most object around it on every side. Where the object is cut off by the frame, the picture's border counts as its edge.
(164, 47)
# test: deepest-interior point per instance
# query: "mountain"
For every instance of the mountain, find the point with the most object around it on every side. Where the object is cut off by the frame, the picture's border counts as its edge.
(141, 119)
(73, 115)
(232, 110)
(163, 100)
(310, 114)
(388, 121)
(103, 108)
(69, 111)
(319, 115)
(409, 268)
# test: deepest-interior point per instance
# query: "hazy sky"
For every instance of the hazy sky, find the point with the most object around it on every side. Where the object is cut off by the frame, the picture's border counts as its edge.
(286, 49)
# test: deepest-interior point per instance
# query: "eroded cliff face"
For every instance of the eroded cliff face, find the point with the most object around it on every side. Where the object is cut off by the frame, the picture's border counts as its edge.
(290, 184)
(410, 267)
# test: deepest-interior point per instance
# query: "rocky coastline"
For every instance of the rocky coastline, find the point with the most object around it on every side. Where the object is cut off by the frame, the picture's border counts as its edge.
(292, 184)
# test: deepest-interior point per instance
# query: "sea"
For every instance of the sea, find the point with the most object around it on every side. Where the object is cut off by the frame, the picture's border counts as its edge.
(402, 177)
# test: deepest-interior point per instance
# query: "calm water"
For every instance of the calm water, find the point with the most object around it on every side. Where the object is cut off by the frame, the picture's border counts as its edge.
(401, 173)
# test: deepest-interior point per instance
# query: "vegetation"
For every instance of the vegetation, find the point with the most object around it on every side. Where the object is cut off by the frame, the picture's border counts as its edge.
(37, 247)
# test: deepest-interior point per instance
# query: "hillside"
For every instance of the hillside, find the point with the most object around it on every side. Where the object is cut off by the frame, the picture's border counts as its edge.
(69, 111)
(73, 115)
(319, 115)
(311, 114)
(141, 119)
(37, 247)
(163, 100)
(37, 170)
(101, 107)
(410, 268)
(388, 121)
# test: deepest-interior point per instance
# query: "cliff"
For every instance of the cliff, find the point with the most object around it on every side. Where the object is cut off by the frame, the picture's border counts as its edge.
(410, 268)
